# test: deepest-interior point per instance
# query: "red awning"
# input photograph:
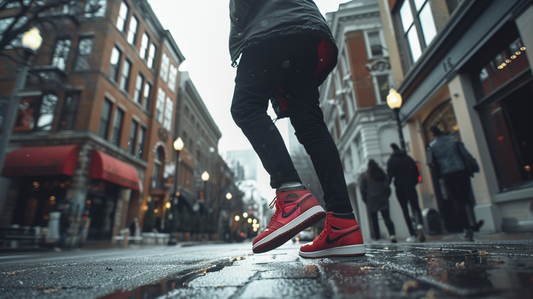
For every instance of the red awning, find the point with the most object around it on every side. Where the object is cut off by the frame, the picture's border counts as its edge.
(41, 160)
(110, 169)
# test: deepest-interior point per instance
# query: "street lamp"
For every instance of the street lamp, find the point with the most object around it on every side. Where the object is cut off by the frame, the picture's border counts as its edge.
(31, 41)
(394, 100)
(178, 146)
(245, 215)
(228, 196)
(237, 218)
(205, 178)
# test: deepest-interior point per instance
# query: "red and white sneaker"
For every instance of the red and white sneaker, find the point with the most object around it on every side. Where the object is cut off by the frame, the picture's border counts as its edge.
(340, 237)
(296, 210)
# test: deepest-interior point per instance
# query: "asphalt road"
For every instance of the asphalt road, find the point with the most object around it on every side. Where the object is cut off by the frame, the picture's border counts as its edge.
(426, 270)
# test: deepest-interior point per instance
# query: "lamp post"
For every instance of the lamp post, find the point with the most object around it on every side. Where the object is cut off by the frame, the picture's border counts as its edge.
(178, 146)
(31, 40)
(229, 196)
(205, 178)
(394, 100)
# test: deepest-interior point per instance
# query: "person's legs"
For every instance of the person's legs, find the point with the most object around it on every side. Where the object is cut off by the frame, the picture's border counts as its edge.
(412, 196)
(458, 185)
(375, 225)
(258, 77)
(403, 200)
(388, 222)
(262, 70)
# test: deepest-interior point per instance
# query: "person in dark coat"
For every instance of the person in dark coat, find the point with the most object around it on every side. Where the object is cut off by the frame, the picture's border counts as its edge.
(64, 224)
(404, 171)
(284, 50)
(450, 163)
(375, 190)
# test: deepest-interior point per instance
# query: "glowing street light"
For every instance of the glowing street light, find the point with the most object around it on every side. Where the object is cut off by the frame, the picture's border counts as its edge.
(394, 100)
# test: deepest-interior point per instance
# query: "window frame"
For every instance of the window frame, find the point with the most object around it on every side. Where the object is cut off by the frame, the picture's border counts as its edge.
(56, 57)
(99, 13)
(165, 64)
(132, 143)
(416, 24)
(143, 52)
(123, 19)
(147, 95)
(138, 94)
(116, 133)
(169, 109)
(69, 111)
(107, 121)
(85, 56)
(384, 52)
(125, 78)
(140, 141)
(132, 34)
(114, 69)
(150, 61)
(160, 106)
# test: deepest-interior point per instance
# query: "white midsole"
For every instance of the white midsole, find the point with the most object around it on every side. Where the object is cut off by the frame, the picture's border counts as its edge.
(339, 250)
(294, 223)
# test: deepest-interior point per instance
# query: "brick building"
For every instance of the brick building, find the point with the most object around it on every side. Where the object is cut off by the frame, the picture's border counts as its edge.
(353, 99)
(95, 127)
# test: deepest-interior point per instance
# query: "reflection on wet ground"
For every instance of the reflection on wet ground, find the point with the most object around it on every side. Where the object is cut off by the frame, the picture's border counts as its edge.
(483, 270)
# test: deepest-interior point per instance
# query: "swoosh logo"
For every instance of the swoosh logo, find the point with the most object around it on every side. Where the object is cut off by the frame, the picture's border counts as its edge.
(331, 241)
(285, 215)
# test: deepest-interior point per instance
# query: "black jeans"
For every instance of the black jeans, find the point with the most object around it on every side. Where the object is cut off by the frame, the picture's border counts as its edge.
(388, 222)
(289, 63)
(458, 185)
(406, 193)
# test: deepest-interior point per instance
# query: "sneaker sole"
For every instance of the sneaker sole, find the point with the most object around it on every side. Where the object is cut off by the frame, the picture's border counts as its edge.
(291, 229)
(348, 250)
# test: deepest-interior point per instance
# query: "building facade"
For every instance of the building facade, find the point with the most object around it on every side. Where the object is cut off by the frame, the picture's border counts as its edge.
(95, 126)
(200, 135)
(465, 66)
(353, 99)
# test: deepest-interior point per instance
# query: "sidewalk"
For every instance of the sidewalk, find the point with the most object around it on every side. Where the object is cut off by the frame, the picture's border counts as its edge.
(478, 237)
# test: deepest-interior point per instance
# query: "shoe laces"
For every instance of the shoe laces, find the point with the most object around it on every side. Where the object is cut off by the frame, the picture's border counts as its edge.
(272, 204)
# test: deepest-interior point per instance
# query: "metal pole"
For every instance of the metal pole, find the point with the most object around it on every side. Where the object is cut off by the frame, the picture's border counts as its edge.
(11, 113)
(400, 132)
(12, 109)
(172, 238)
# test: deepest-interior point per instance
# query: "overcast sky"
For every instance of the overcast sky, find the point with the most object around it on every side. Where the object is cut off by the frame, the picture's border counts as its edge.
(201, 30)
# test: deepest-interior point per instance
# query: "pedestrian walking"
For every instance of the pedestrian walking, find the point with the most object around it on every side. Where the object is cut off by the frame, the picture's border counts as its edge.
(403, 169)
(375, 191)
(450, 160)
(286, 51)
(64, 224)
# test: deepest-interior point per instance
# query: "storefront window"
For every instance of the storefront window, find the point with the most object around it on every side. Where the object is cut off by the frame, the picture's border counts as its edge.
(508, 125)
(505, 89)
(503, 67)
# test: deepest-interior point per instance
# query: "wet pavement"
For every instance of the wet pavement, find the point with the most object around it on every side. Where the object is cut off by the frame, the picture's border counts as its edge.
(487, 269)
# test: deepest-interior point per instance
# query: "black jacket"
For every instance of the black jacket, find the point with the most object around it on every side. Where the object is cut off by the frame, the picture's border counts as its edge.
(376, 191)
(402, 168)
(257, 21)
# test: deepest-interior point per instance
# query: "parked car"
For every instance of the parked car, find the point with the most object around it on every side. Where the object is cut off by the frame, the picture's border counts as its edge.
(305, 235)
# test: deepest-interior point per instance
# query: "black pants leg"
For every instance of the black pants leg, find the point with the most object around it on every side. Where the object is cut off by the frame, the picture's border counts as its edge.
(459, 185)
(375, 225)
(290, 64)
(388, 222)
(403, 199)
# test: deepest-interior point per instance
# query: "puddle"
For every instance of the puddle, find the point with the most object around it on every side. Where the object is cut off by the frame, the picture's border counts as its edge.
(180, 280)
